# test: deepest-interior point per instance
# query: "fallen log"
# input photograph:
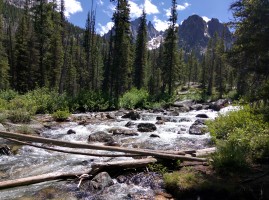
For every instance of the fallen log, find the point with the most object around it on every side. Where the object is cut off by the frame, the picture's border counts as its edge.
(96, 147)
(74, 152)
(96, 167)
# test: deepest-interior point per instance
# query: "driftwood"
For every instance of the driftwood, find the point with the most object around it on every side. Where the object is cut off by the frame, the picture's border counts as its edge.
(96, 167)
(74, 152)
(96, 147)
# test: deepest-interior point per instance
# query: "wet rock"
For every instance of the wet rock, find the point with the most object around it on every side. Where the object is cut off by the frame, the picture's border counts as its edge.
(121, 179)
(160, 118)
(154, 136)
(202, 116)
(216, 106)
(2, 128)
(70, 131)
(101, 180)
(100, 136)
(5, 150)
(132, 115)
(197, 128)
(184, 109)
(174, 113)
(184, 119)
(146, 127)
(110, 116)
(196, 107)
(160, 122)
(121, 131)
(184, 103)
(206, 106)
(199, 122)
(112, 143)
(130, 124)
(83, 123)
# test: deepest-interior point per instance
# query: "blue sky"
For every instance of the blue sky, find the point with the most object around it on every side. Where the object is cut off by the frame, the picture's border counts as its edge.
(157, 11)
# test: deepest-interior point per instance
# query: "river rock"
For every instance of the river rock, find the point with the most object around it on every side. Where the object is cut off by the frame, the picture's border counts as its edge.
(202, 116)
(121, 131)
(185, 103)
(110, 116)
(130, 124)
(70, 131)
(146, 127)
(154, 136)
(2, 128)
(173, 113)
(132, 115)
(100, 136)
(160, 122)
(197, 128)
(101, 180)
(216, 106)
(196, 107)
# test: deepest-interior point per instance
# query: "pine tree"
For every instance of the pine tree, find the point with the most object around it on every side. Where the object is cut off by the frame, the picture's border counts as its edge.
(121, 67)
(171, 51)
(4, 67)
(141, 56)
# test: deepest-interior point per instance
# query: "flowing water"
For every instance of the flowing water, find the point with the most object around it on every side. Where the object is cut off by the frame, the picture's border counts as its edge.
(31, 161)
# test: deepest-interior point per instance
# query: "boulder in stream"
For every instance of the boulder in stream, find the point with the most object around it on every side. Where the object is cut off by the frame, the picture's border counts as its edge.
(100, 136)
(132, 115)
(130, 124)
(70, 131)
(216, 106)
(146, 127)
(154, 136)
(196, 107)
(202, 116)
(197, 128)
(185, 103)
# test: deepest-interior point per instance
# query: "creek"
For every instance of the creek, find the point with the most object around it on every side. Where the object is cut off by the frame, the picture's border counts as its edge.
(173, 134)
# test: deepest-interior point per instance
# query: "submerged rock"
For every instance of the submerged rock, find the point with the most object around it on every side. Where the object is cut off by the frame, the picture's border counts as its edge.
(146, 127)
(100, 136)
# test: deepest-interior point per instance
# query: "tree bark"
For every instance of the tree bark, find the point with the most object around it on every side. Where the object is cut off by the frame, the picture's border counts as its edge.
(96, 167)
(96, 147)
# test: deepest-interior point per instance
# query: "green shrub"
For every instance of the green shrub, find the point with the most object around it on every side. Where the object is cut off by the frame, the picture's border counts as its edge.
(19, 116)
(242, 137)
(157, 168)
(89, 101)
(3, 105)
(8, 94)
(134, 98)
(230, 157)
(60, 115)
(3, 118)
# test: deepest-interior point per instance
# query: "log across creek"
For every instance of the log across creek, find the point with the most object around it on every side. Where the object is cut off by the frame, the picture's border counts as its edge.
(144, 152)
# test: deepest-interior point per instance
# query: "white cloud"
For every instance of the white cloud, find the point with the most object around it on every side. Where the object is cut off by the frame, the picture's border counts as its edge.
(206, 19)
(167, 12)
(100, 2)
(160, 25)
(72, 7)
(150, 8)
(183, 7)
(104, 29)
(135, 10)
